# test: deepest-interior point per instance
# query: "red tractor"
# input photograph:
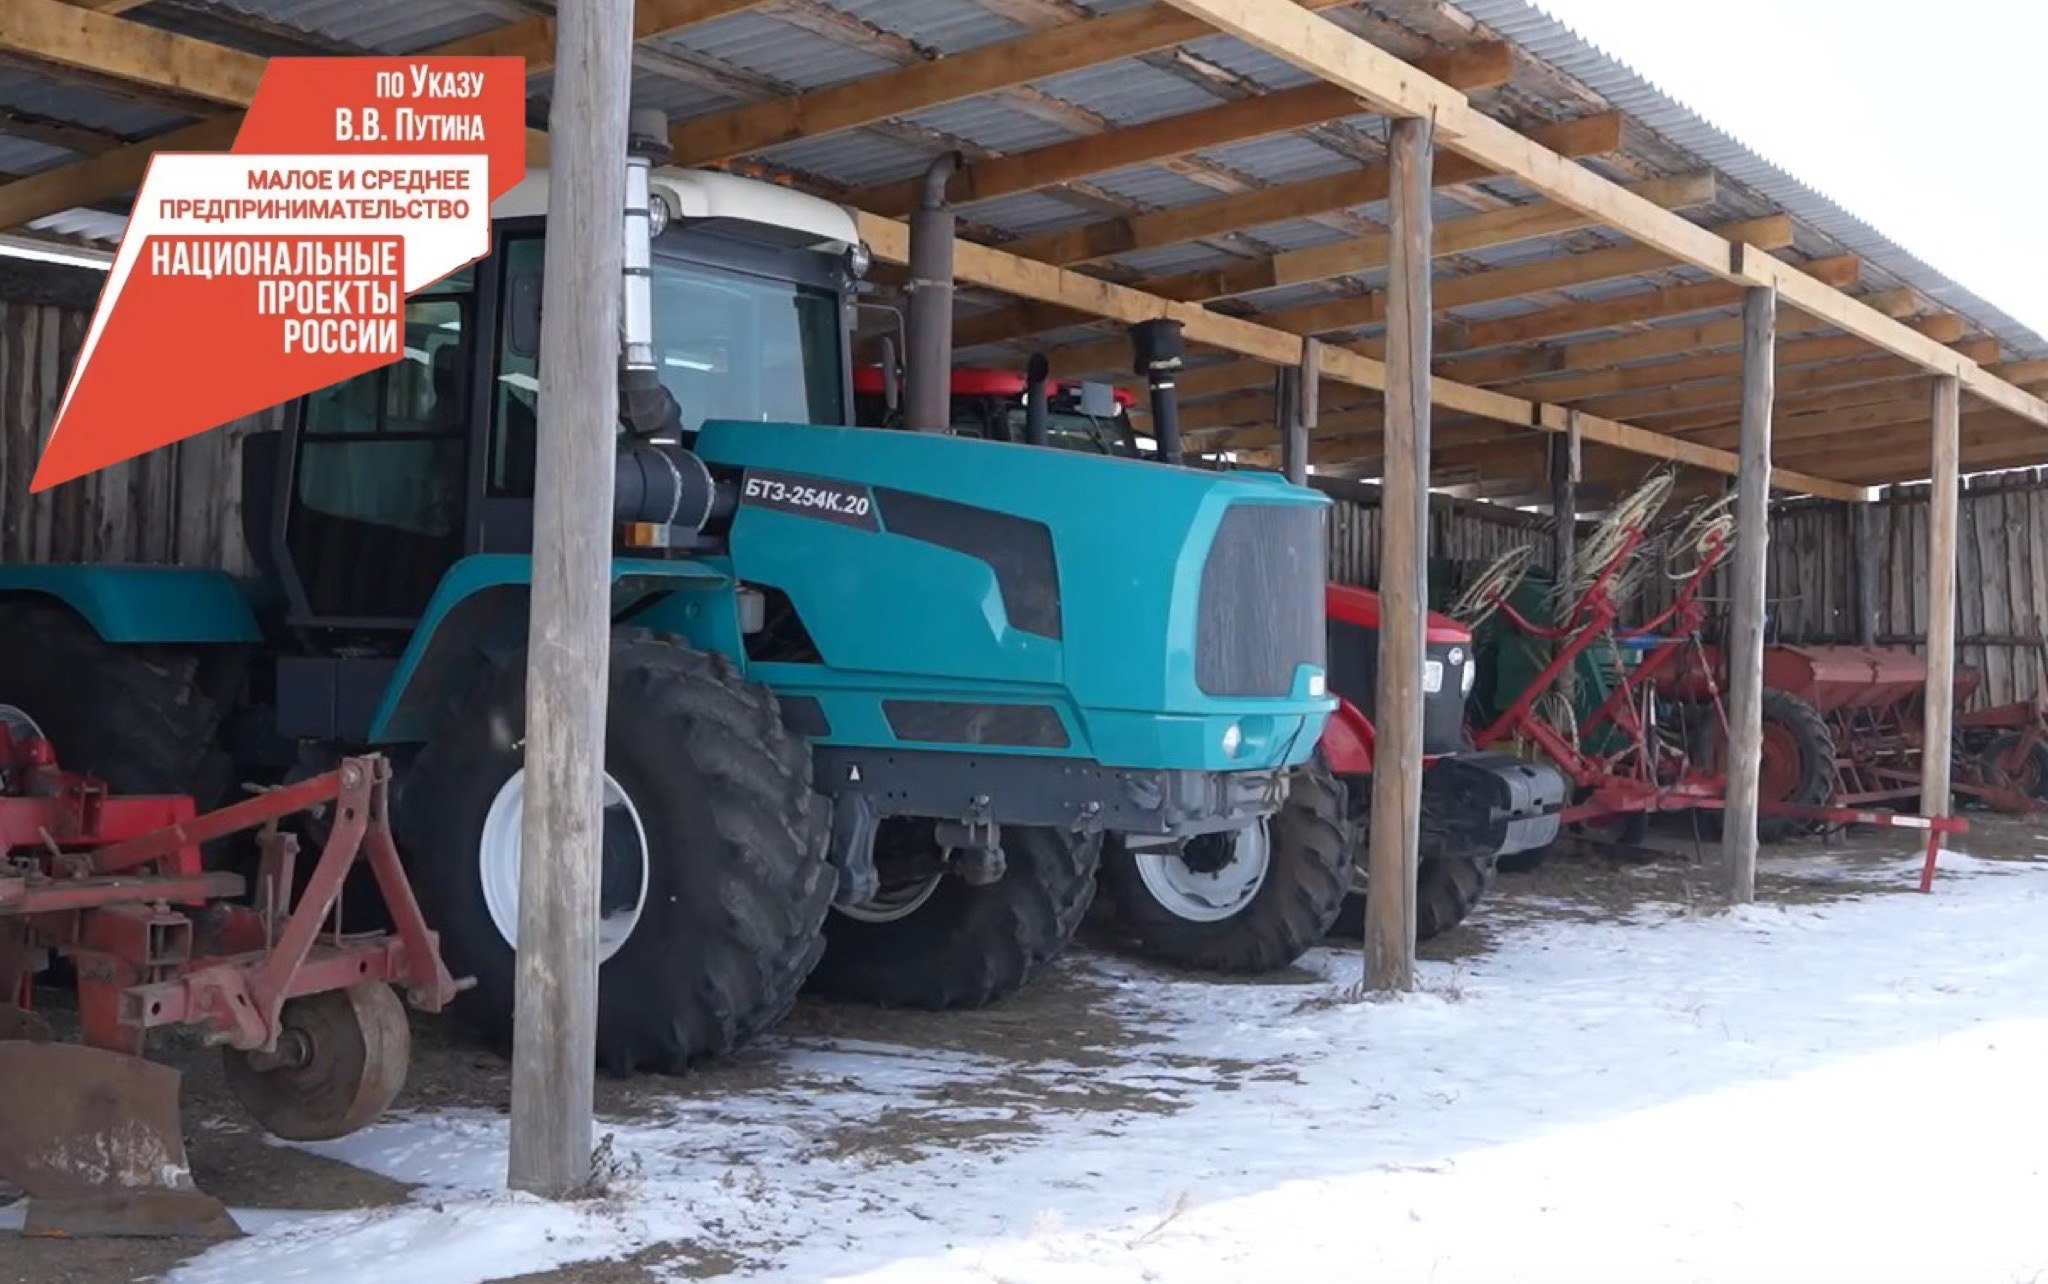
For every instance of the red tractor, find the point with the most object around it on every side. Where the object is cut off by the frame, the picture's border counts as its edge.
(1477, 806)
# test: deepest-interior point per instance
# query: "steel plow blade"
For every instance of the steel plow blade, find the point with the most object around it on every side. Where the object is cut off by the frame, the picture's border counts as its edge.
(94, 1139)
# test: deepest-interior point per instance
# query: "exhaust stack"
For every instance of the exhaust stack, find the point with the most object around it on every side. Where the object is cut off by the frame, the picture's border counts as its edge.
(1036, 414)
(928, 379)
(1158, 347)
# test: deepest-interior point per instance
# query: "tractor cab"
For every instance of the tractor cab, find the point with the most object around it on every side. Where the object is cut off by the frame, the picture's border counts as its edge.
(379, 485)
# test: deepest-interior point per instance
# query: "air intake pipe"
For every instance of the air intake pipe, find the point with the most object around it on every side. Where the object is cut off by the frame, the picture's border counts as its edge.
(1158, 348)
(1036, 414)
(929, 377)
(645, 407)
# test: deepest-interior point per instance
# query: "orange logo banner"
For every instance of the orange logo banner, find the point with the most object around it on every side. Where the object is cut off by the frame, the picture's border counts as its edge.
(251, 277)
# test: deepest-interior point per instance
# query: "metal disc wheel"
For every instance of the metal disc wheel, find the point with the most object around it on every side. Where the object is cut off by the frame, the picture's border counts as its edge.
(894, 902)
(2004, 763)
(1211, 877)
(341, 1058)
(19, 725)
(622, 885)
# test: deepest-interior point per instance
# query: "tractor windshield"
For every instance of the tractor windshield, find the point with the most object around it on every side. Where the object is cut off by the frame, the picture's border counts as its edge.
(731, 345)
(1072, 430)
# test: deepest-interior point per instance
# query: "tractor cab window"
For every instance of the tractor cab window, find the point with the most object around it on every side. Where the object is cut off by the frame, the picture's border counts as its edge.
(730, 345)
(727, 345)
(377, 493)
(1072, 430)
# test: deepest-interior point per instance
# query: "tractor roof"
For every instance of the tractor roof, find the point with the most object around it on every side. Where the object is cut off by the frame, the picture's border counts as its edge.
(700, 195)
(980, 381)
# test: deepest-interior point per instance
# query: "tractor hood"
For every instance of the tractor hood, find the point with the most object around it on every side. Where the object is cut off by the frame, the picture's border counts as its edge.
(1146, 616)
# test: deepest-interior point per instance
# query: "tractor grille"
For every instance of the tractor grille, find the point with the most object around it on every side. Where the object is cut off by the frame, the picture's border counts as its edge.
(1261, 609)
(1354, 675)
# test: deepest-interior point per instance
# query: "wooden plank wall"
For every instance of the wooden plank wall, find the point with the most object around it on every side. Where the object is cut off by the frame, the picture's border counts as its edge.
(2002, 582)
(178, 505)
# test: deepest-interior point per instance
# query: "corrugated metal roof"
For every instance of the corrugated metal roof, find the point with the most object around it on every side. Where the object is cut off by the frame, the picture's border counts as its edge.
(35, 95)
(1551, 41)
(944, 25)
(386, 26)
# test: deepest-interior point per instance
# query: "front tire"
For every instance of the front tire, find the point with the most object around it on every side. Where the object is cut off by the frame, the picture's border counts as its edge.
(1211, 922)
(710, 933)
(133, 716)
(932, 940)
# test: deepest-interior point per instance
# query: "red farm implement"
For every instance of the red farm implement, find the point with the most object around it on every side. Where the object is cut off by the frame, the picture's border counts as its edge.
(1871, 700)
(1653, 742)
(316, 1042)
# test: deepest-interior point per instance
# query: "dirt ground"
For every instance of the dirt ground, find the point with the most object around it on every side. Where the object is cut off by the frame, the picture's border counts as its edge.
(1061, 1018)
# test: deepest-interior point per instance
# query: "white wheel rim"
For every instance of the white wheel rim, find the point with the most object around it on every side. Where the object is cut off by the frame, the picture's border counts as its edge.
(893, 903)
(498, 864)
(19, 725)
(1207, 897)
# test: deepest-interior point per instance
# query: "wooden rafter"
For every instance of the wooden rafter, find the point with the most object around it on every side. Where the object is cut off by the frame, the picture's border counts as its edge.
(996, 269)
(1341, 258)
(106, 45)
(1289, 31)
(1478, 67)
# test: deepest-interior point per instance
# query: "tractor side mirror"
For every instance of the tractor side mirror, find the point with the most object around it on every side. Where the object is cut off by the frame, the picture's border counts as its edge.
(522, 313)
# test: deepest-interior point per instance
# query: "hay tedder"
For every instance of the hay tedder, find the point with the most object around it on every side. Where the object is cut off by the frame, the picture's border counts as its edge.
(1650, 736)
(315, 1039)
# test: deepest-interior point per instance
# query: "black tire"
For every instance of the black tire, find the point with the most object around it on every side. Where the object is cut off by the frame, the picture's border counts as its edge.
(737, 883)
(1308, 867)
(2031, 778)
(134, 716)
(1447, 890)
(1791, 725)
(964, 946)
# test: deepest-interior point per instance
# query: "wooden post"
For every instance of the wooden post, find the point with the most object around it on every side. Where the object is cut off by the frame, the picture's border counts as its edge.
(1564, 534)
(554, 1035)
(1745, 649)
(1941, 599)
(1404, 539)
(1308, 378)
(1287, 422)
(1863, 527)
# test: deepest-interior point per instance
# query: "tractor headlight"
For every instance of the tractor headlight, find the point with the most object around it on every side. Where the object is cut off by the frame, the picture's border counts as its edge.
(658, 214)
(1469, 678)
(859, 259)
(1318, 684)
(1233, 740)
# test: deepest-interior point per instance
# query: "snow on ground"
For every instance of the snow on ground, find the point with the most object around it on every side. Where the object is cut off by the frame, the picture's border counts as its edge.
(1842, 1091)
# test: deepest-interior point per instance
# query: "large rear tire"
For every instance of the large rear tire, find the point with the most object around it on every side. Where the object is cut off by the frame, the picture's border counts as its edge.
(1247, 902)
(709, 934)
(1798, 765)
(1447, 890)
(933, 940)
(134, 716)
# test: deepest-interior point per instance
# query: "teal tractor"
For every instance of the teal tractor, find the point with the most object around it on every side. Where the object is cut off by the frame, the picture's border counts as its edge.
(875, 697)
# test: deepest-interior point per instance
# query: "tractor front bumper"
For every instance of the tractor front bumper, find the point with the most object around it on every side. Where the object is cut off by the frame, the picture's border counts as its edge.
(1493, 804)
(1067, 793)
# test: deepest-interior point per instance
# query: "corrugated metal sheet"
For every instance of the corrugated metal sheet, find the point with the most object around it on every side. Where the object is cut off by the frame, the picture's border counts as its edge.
(386, 26)
(1279, 158)
(1550, 40)
(34, 95)
(855, 158)
(996, 123)
(1028, 213)
(1128, 92)
(944, 25)
(757, 43)
(1255, 65)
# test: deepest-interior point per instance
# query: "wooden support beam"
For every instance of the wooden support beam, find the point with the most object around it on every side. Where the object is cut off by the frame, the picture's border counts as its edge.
(1182, 223)
(1288, 31)
(1745, 648)
(64, 35)
(1340, 258)
(1396, 824)
(1944, 499)
(755, 127)
(999, 270)
(1077, 360)
(1866, 556)
(1480, 66)
(1303, 407)
(1657, 304)
(120, 169)
(554, 1029)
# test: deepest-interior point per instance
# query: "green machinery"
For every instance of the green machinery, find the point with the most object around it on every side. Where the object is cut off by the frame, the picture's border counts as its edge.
(875, 697)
